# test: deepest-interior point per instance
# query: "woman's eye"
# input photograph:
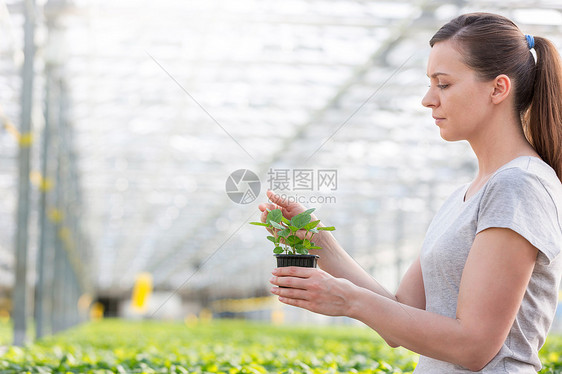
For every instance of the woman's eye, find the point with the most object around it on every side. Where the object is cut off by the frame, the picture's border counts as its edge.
(440, 86)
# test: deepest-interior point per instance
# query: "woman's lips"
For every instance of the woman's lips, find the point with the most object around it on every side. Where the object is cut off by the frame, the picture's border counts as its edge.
(438, 120)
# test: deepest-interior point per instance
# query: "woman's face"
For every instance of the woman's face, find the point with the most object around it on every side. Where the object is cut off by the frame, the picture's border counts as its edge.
(459, 100)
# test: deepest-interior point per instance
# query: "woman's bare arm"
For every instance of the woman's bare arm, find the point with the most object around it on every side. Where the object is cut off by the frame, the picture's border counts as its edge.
(337, 262)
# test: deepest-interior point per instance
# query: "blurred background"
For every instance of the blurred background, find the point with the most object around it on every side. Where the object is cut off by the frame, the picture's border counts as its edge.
(139, 137)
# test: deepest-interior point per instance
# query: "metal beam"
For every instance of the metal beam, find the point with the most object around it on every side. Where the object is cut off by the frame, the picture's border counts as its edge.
(44, 225)
(25, 140)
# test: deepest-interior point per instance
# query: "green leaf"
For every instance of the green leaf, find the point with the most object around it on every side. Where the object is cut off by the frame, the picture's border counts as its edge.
(272, 239)
(300, 220)
(311, 225)
(274, 216)
(330, 228)
(278, 250)
(313, 246)
(285, 221)
(293, 228)
(277, 225)
(314, 230)
(306, 243)
(259, 224)
(302, 251)
(308, 211)
(284, 233)
(293, 240)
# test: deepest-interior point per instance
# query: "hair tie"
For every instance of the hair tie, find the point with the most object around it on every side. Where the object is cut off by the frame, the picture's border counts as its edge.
(530, 41)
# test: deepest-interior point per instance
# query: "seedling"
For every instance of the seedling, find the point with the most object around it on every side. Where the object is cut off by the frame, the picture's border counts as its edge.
(285, 239)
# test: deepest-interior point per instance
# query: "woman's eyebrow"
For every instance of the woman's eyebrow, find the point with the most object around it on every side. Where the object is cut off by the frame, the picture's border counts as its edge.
(436, 74)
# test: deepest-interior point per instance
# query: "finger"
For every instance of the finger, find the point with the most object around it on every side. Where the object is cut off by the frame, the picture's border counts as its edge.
(264, 216)
(273, 197)
(265, 206)
(289, 282)
(305, 304)
(264, 213)
(294, 271)
(290, 293)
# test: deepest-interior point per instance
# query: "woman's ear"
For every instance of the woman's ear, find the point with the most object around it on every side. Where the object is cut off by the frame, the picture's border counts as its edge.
(502, 88)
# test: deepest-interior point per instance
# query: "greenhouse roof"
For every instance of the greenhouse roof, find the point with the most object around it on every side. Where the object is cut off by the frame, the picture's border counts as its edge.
(162, 101)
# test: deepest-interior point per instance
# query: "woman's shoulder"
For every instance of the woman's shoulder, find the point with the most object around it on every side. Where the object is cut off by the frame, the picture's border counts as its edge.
(524, 182)
(526, 196)
(528, 175)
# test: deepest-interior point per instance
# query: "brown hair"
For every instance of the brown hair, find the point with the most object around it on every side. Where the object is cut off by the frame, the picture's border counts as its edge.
(494, 45)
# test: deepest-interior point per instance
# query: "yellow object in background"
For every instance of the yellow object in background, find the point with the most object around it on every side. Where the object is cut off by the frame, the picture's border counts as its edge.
(277, 317)
(205, 315)
(84, 302)
(4, 316)
(96, 311)
(44, 184)
(191, 320)
(141, 292)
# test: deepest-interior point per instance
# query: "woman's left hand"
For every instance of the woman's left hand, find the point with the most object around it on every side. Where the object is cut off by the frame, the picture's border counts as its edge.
(313, 289)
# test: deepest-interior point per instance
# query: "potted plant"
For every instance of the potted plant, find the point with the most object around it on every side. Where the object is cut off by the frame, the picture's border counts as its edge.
(289, 248)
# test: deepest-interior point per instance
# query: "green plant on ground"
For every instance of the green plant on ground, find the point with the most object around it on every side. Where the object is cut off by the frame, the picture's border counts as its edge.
(220, 346)
(285, 238)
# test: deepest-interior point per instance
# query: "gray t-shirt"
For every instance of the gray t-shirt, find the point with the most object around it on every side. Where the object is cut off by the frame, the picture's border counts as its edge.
(525, 196)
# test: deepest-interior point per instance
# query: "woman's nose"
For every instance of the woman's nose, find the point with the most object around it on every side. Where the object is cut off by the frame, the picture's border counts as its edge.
(430, 99)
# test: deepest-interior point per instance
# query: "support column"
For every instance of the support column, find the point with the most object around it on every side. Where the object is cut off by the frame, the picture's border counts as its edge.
(20, 312)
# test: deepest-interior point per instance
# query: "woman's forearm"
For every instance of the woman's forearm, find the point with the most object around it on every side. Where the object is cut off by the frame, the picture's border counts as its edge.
(336, 261)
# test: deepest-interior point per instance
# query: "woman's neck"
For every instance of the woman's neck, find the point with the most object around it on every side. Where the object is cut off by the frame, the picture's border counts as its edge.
(501, 142)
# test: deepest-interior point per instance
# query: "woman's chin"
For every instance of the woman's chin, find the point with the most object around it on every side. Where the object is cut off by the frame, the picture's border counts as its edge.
(446, 135)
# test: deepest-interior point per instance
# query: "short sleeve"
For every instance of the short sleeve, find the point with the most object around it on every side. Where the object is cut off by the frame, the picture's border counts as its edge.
(516, 199)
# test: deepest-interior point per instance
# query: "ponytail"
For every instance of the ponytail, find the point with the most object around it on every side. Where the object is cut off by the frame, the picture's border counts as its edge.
(543, 120)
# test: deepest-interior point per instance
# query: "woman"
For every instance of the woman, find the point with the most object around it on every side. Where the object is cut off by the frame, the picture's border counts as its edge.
(482, 293)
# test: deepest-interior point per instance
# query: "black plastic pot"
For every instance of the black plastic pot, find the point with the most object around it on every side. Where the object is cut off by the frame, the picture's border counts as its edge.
(304, 261)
